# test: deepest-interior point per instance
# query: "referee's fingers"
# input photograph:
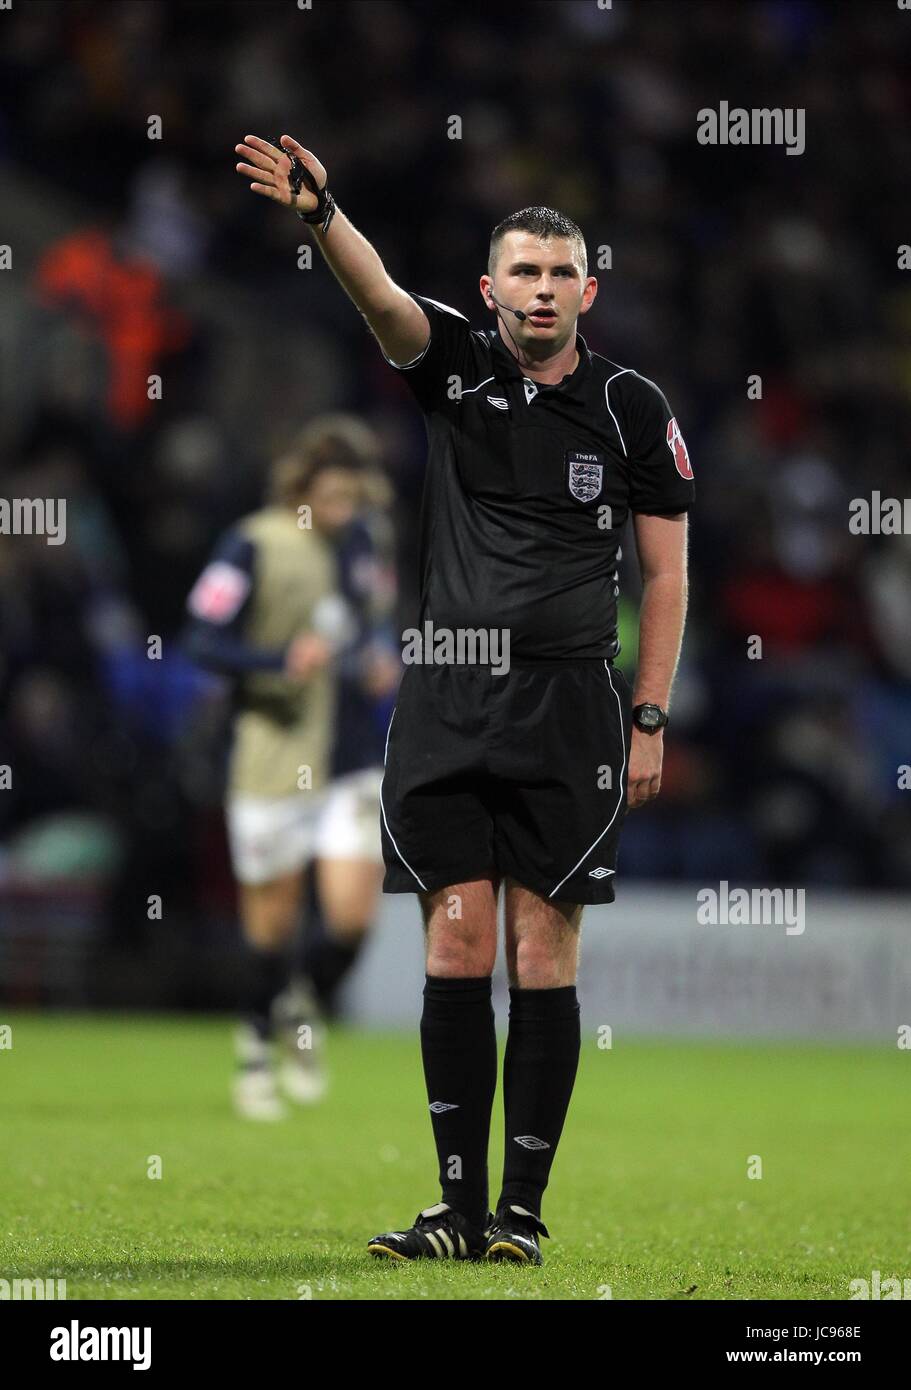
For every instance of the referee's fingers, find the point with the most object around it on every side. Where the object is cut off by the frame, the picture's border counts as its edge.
(642, 790)
(269, 191)
(290, 146)
(251, 173)
(264, 148)
(262, 161)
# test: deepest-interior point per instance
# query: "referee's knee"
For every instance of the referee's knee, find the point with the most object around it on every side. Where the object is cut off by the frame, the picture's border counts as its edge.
(460, 958)
(459, 949)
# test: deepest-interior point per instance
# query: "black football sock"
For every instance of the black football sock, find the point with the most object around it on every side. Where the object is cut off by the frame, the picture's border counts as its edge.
(459, 1050)
(539, 1070)
(266, 972)
(326, 961)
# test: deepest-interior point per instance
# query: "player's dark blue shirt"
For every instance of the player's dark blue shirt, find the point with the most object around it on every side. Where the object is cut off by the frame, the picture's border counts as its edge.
(215, 634)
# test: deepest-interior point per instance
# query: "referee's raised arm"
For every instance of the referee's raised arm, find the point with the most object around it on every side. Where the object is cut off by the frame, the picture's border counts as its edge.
(397, 321)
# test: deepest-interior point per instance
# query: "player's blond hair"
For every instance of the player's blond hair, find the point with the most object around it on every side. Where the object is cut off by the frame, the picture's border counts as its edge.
(329, 441)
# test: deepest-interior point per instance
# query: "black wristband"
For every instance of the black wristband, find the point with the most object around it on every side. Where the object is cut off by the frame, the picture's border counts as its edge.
(323, 213)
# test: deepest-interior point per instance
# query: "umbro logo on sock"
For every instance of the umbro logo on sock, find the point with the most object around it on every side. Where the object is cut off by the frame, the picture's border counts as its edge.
(530, 1141)
(600, 873)
(438, 1106)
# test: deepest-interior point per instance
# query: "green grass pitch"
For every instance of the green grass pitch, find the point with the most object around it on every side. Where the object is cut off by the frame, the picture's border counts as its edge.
(649, 1198)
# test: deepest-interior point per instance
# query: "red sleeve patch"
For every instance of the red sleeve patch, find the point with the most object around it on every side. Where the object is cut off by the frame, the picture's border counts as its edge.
(219, 592)
(678, 449)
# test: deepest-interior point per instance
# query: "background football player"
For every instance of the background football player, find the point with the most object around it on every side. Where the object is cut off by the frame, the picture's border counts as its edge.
(270, 611)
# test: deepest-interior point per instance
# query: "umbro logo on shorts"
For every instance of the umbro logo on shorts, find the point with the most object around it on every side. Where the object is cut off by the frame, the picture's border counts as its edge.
(601, 873)
(438, 1106)
(531, 1141)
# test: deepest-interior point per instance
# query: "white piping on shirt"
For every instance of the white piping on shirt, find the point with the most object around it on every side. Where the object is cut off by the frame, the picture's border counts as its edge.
(468, 390)
(623, 371)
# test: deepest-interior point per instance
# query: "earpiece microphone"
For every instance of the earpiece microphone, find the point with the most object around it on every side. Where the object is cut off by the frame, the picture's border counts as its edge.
(519, 313)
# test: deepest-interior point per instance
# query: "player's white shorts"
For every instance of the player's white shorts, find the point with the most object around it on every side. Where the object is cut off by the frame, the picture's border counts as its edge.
(270, 836)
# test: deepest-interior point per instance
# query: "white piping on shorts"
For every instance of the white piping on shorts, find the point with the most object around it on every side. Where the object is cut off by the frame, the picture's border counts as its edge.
(622, 789)
(385, 821)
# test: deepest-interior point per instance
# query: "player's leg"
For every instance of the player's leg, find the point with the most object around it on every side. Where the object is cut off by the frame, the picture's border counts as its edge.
(268, 913)
(349, 889)
(540, 1062)
(294, 1021)
(349, 875)
(459, 1052)
(270, 840)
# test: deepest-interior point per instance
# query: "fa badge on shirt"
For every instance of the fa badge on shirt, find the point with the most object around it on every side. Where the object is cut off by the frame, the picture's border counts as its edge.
(584, 475)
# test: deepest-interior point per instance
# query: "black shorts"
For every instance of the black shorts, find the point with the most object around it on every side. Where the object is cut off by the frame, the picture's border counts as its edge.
(520, 775)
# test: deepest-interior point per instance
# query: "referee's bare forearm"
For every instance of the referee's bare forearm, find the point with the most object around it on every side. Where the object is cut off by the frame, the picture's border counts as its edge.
(662, 545)
(661, 618)
(399, 324)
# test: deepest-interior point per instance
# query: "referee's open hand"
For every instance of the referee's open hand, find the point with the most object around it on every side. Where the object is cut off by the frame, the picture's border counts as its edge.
(270, 165)
(645, 755)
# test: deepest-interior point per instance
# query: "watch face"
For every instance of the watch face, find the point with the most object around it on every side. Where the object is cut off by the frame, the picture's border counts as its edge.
(649, 717)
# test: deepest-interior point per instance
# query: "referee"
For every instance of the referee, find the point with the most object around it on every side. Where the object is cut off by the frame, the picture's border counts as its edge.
(516, 746)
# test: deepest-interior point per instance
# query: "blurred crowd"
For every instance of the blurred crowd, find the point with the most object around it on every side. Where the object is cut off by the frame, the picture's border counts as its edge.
(138, 258)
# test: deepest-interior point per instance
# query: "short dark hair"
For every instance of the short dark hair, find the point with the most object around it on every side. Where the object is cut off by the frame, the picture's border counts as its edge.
(540, 222)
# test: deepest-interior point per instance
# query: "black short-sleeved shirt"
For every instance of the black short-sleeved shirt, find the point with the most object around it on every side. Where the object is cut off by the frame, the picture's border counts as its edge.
(515, 528)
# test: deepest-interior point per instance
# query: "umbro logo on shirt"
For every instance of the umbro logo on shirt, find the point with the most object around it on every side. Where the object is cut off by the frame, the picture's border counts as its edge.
(499, 401)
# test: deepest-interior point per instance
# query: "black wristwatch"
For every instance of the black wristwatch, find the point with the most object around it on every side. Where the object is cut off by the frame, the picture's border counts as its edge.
(649, 718)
